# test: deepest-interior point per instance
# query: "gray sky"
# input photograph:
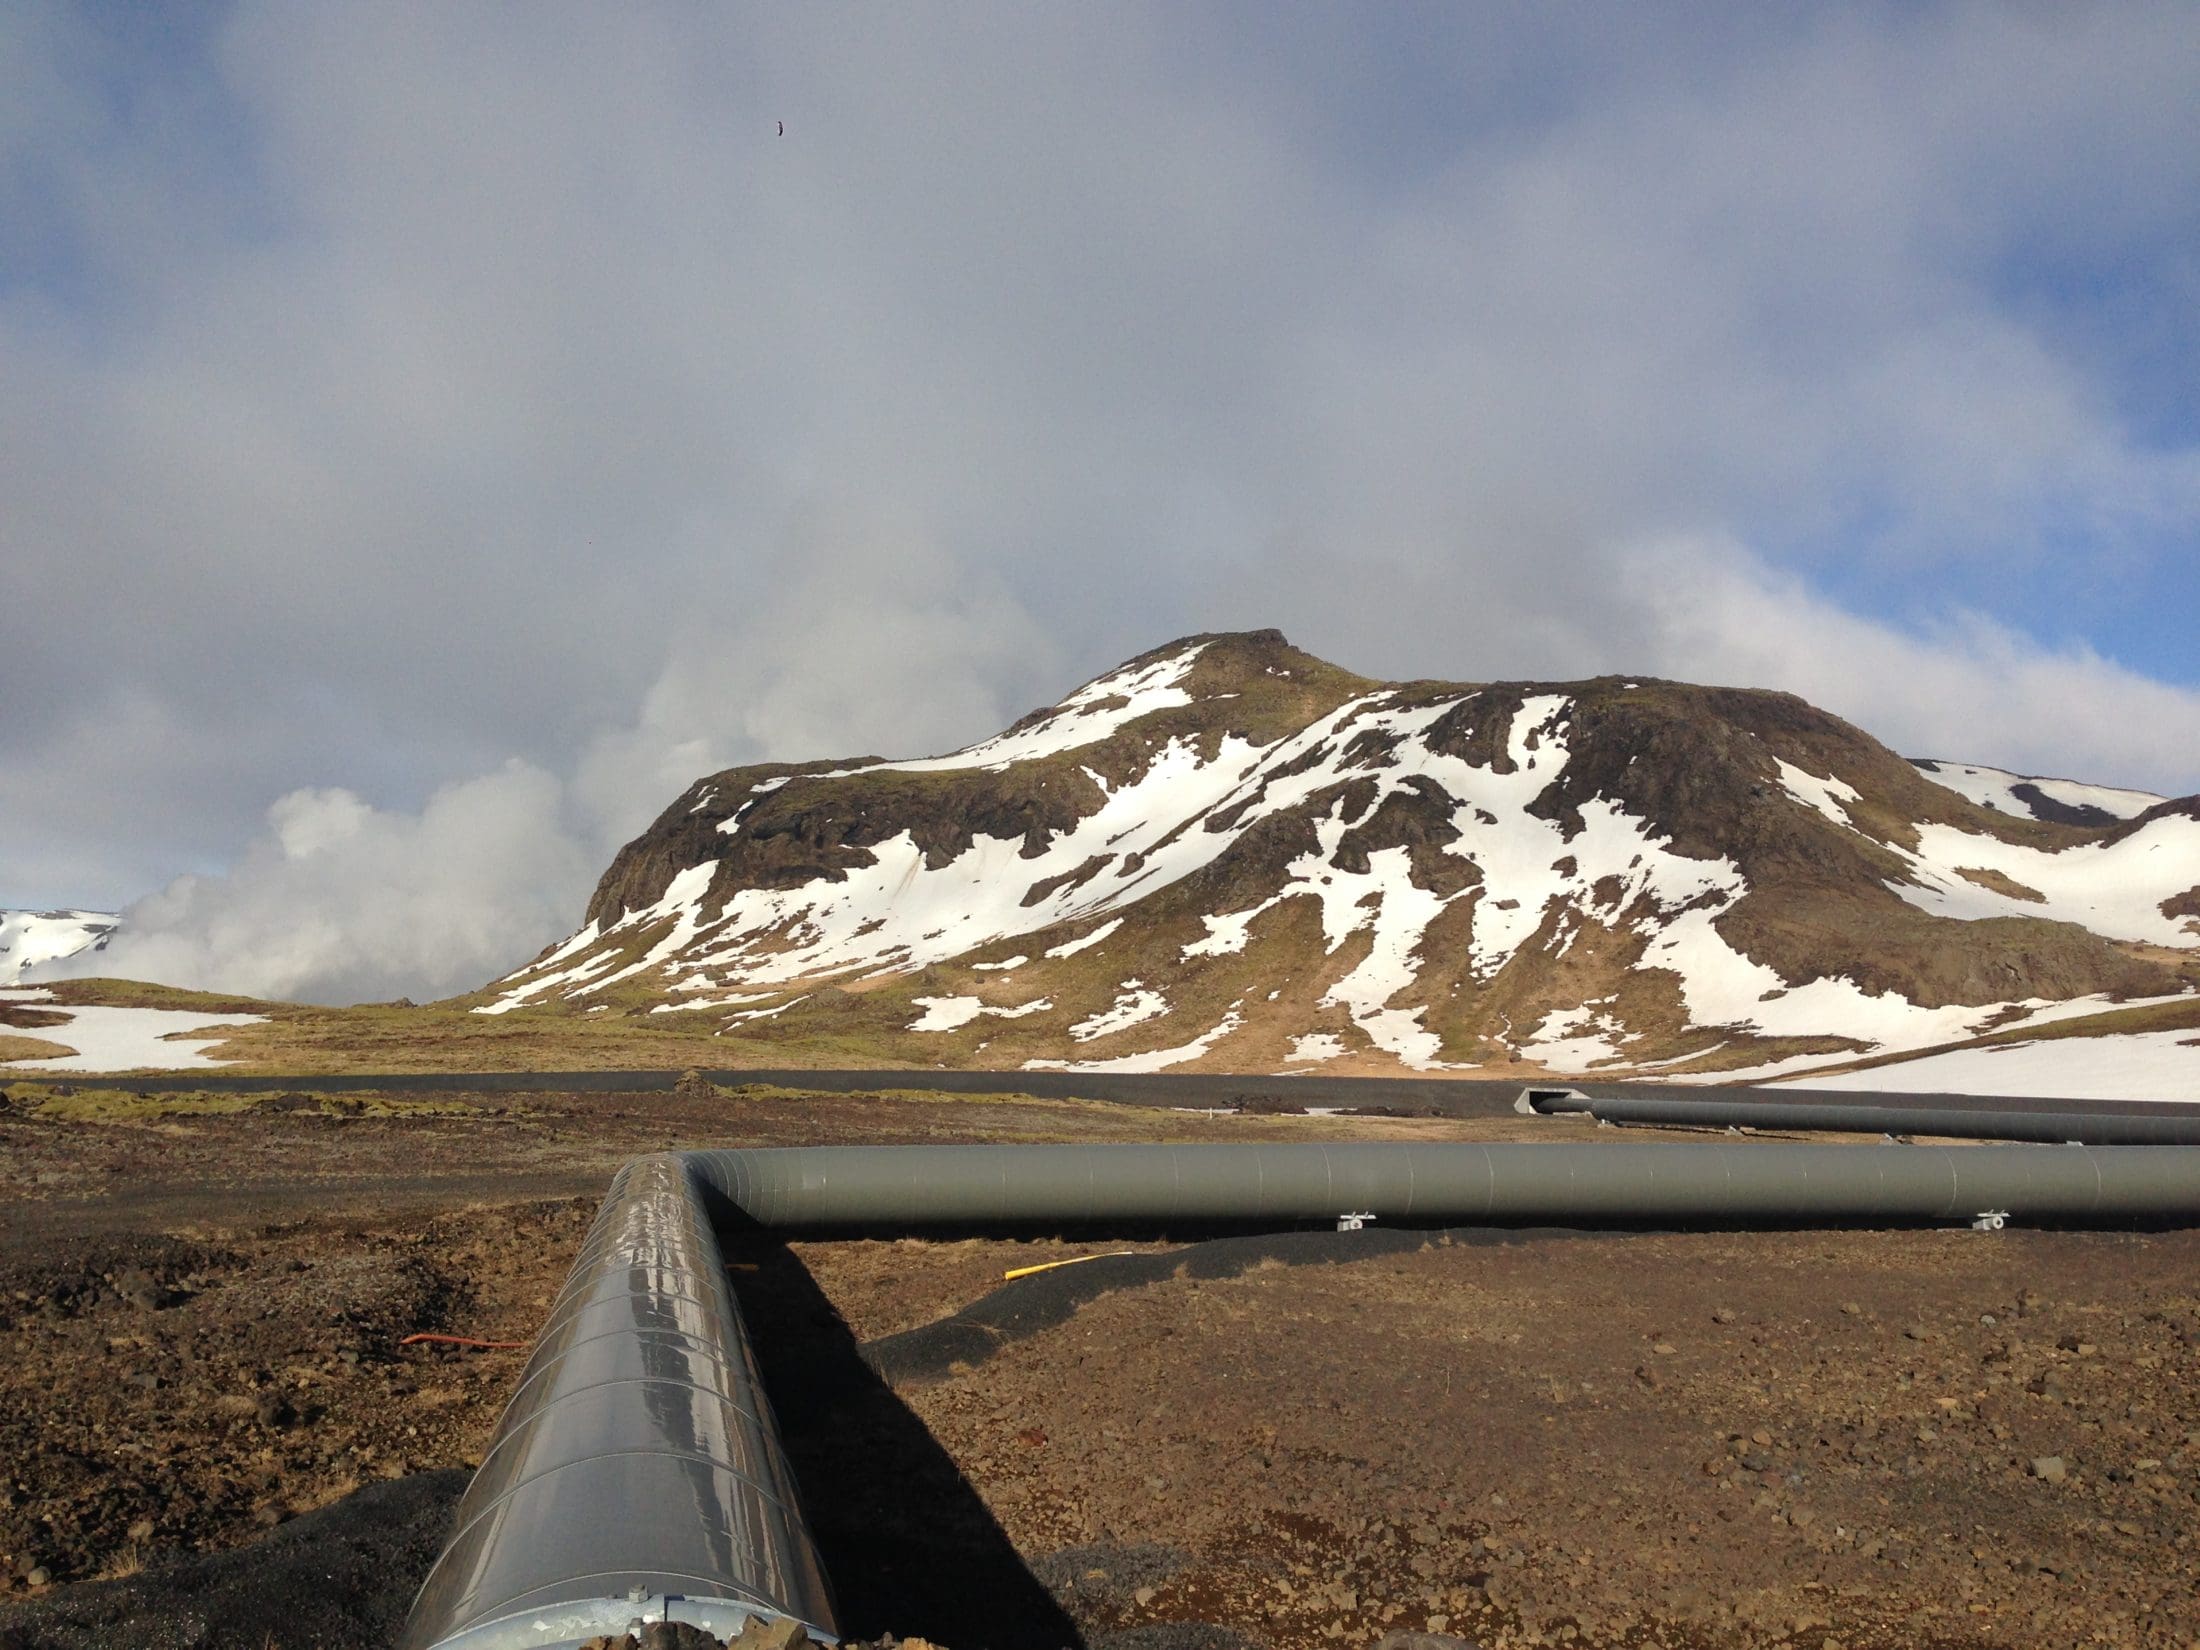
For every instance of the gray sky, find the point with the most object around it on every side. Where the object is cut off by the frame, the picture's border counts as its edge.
(431, 436)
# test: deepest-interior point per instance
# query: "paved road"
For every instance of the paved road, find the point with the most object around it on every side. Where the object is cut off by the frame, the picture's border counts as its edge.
(1450, 1096)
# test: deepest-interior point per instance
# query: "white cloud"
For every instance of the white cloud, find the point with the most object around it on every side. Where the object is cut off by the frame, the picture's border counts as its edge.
(1968, 687)
(872, 641)
(336, 901)
(393, 391)
(875, 638)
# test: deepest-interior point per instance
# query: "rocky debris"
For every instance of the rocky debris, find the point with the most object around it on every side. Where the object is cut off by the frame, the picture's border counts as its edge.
(1805, 1475)
(159, 1395)
(1313, 1449)
(1106, 1580)
(1175, 1635)
(147, 1275)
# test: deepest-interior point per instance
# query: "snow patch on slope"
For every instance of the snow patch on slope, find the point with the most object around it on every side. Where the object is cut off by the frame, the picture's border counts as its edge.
(947, 1013)
(1070, 948)
(1159, 1059)
(1534, 884)
(1997, 789)
(900, 914)
(1929, 1028)
(1092, 713)
(1314, 1047)
(2129, 1065)
(1572, 1040)
(2116, 889)
(543, 974)
(1136, 1005)
(682, 902)
(1825, 796)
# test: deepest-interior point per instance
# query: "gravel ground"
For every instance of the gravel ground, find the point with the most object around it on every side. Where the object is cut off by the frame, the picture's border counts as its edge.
(211, 1434)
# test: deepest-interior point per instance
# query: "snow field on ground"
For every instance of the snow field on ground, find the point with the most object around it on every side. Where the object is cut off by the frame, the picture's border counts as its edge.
(1930, 1028)
(125, 1039)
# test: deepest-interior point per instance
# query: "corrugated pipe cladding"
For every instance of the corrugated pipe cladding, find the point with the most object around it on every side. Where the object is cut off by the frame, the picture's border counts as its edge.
(637, 1473)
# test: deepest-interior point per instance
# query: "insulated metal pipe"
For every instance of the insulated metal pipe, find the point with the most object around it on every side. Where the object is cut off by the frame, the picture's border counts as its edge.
(2172, 1125)
(637, 1472)
(899, 1188)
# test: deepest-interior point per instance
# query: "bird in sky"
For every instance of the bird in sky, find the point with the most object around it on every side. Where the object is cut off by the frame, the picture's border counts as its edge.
(782, 128)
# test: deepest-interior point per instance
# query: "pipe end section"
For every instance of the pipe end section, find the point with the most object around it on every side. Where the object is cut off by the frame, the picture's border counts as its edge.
(571, 1625)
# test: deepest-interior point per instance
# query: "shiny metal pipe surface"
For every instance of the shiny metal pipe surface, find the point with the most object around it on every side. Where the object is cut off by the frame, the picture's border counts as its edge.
(636, 1471)
(638, 1459)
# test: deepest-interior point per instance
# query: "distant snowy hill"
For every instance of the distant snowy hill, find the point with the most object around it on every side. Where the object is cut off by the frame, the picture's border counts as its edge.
(1228, 855)
(28, 938)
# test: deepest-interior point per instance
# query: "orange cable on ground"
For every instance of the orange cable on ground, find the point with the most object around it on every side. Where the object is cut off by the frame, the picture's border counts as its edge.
(468, 1340)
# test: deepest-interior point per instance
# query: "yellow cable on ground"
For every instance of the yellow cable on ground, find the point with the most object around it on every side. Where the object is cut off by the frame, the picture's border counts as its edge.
(1050, 1265)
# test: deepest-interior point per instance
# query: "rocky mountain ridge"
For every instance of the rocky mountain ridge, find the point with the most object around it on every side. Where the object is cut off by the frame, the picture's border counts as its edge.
(1228, 854)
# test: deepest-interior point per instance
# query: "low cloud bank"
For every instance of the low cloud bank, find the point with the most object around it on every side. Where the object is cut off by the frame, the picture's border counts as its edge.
(890, 648)
(338, 901)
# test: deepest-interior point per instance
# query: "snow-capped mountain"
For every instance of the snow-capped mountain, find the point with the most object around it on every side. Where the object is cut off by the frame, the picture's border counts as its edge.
(1230, 855)
(28, 938)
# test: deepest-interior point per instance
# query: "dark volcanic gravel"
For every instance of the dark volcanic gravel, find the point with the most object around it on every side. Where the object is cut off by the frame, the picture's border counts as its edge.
(1934, 1440)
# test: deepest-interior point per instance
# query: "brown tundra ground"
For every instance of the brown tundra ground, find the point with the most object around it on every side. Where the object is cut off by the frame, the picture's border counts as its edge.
(210, 1434)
